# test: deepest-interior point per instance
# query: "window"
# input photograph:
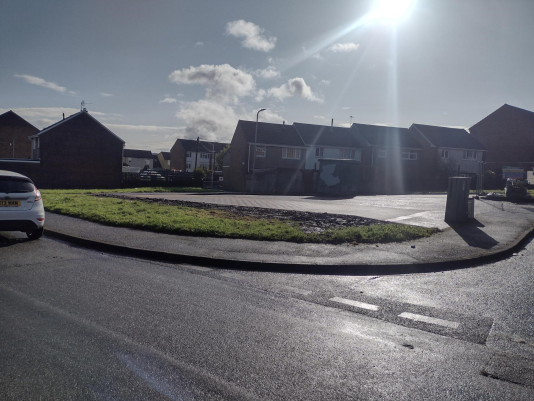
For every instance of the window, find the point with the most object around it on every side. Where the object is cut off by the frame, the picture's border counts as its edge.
(470, 155)
(347, 154)
(204, 155)
(319, 152)
(188, 166)
(261, 151)
(444, 154)
(409, 155)
(381, 154)
(290, 153)
(188, 154)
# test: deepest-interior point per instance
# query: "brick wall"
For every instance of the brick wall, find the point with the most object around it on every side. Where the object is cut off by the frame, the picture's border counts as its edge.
(178, 156)
(235, 174)
(22, 143)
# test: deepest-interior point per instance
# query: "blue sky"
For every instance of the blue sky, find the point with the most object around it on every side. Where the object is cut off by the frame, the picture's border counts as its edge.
(154, 71)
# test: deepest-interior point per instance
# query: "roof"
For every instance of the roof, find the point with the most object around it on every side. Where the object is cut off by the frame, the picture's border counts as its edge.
(271, 134)
(381, 135)
(72, 117)
(190, 145)
(139, 154)
(447, 137)
(322, 135)
(12, 119)
(166, 155)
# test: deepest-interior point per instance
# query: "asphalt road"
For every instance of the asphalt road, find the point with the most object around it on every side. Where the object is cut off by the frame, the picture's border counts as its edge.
(77, 324)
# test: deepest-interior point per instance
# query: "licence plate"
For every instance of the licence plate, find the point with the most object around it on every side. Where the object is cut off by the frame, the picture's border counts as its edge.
(9, 203)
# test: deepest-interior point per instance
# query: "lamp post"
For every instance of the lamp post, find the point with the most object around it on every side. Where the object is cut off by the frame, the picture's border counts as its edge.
(255, 145)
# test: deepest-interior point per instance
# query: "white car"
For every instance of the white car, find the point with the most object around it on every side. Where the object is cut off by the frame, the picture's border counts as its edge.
(21, 206)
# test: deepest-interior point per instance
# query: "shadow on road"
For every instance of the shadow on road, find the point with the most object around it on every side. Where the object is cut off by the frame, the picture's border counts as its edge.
(472, 234)
(10, 241)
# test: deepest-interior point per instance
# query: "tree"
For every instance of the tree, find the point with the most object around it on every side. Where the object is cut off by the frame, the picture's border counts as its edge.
(219, 157)
(200, 171)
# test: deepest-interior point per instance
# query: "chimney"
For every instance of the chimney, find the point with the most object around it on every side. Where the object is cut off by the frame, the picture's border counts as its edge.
(63, 116)
(332, 126)
(284, 122)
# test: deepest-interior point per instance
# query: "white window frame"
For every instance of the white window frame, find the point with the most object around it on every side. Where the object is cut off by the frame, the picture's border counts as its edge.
(444, 153)
(187, 154)
(409, 155)
(261, 151)
(295, 151)
(350, 152)
(381, 154)
(470, 154)
(204, 155)
(319, 152)
(187, 166)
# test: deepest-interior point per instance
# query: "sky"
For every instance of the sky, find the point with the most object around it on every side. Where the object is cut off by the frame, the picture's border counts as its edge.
(155, 71)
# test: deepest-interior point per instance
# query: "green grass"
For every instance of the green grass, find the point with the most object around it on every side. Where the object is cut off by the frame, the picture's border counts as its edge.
(214, 223)
(130, 190)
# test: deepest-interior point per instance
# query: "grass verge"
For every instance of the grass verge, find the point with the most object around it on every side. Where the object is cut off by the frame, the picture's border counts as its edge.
(214, 223)
(129, 190)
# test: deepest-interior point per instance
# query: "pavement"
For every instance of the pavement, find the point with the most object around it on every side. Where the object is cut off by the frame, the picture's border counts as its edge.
(497, 230)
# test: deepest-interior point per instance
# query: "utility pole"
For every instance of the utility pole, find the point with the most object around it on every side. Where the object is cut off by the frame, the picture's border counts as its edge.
(196, 154)
(255, 146)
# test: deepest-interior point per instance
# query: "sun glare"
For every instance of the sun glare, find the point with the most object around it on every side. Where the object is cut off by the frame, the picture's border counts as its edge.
(391, 10)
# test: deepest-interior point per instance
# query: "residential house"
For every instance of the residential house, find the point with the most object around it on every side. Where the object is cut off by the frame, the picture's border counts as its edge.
(138, 159)
(155, 161)
(14, 133)
(164, 159)
(188, 154)
(448, 151)
(271, 161)
(508, 136)
(76, 152)
(326, 142)
(391, 159)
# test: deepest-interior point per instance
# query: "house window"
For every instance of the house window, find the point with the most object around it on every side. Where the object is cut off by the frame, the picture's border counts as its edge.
(381, 154)
(204, 155)
(290, 153)
(347, 154)
(319, 152)
(261, 151)
(188, 166)
(470, 155)
(188, 154)
(409, 155)
(444, 154)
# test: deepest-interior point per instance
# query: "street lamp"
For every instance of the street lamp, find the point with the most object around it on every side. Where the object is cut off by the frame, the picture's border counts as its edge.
(255, 145)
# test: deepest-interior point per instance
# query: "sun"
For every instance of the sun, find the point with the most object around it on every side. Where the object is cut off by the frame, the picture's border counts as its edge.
(391, 10)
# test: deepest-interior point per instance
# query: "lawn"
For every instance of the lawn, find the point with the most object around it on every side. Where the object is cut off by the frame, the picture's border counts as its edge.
(211, 222)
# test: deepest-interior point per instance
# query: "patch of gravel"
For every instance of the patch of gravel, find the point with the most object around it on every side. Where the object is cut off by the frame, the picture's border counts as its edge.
(308, 221)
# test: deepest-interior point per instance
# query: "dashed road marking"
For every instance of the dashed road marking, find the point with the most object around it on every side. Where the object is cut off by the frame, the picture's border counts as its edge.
(431, 320)
(295, 290)
(357, 304)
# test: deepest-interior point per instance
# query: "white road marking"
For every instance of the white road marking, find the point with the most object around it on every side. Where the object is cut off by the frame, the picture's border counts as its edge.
(234, 275)
(296, 290)
(357, 304)
(431, 320)
(410, 216)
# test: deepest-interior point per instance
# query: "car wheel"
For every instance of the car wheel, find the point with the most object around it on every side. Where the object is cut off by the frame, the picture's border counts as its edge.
(35, 234)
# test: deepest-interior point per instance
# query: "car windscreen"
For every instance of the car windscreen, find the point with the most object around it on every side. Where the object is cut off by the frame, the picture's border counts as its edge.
(15, 185)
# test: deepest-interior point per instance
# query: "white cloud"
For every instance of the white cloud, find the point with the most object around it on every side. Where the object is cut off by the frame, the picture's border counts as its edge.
(222, 82)
(199, 44)
(269, 73)
(212, 120)
(324, 82)
(260, 95)
(45, 84)
(345, 108)
(251, 34)
(317, 56)
(106, 94)
(294, 87)
(344, 47)
(149, 128)
(320, 117)
(168, 100)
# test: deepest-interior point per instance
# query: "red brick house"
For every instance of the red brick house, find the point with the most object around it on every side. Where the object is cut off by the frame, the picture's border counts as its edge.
(280, 157)
(76, 152)
(14, 133)
(508, 136)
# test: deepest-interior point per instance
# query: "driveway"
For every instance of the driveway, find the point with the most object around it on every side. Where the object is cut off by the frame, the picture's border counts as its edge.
(419, 210)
